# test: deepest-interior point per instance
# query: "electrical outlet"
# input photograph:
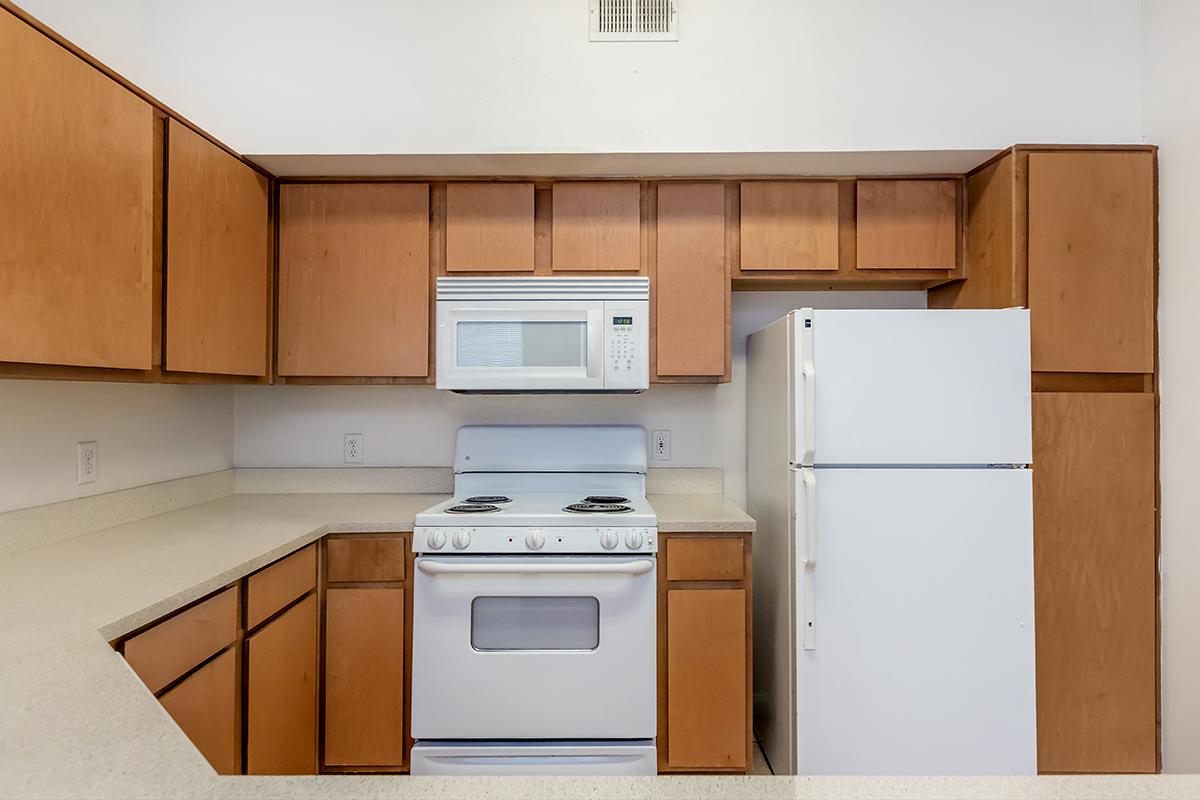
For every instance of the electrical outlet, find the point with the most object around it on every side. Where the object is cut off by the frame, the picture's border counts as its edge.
(660, 445)
(87, 462)
(352, 448)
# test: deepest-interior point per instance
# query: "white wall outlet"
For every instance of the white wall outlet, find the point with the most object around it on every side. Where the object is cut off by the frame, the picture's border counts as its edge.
(87, 462)
(660, 445)
(352, 448)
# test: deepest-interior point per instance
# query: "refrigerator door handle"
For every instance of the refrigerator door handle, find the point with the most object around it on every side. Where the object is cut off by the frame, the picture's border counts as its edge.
(809, 561)
(809, 371)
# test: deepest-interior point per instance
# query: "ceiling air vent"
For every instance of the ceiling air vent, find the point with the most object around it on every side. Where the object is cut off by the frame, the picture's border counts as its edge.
(633, 21)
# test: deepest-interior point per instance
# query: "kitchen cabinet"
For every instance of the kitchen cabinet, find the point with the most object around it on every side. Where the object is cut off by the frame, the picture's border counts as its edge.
(689, 285)
(908, 224)
(167, 650)
(281, 693)
(272, 588)
(367, 654)
(76, 242)
(789, 225)
(204, 706)
(489, 227)
(354, 279)
(597, 226)
(218, 264)
(704, 653)
(1095, 573)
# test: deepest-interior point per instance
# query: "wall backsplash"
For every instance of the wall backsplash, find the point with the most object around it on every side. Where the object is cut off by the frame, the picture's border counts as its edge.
(303, 426)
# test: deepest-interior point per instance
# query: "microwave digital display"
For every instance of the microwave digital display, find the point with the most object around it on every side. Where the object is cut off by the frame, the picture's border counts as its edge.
(622, 320)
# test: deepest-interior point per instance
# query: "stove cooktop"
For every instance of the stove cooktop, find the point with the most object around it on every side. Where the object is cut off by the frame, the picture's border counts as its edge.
(540, 508)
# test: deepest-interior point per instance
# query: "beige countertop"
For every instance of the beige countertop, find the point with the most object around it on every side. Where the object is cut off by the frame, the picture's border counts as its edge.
(76, 721)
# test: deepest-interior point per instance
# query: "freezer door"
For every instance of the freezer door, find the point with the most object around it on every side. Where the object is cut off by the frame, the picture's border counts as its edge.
(921, 655)
(911, 387)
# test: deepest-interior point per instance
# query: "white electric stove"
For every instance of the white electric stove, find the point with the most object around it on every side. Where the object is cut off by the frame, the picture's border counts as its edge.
(534, 610)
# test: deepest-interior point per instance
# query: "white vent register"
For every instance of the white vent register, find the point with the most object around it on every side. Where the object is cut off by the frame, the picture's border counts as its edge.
(632, 21)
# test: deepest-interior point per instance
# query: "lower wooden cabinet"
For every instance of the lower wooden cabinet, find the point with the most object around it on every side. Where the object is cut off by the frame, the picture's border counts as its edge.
(204, 706)
(704, 653)
(281, 693)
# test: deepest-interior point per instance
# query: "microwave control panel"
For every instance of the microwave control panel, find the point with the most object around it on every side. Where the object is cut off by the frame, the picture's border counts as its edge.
(626, 345)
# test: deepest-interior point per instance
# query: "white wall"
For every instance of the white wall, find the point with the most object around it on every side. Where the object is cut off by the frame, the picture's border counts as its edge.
(480, 76)
(1172, 29)
(303, 426)
(145, 434)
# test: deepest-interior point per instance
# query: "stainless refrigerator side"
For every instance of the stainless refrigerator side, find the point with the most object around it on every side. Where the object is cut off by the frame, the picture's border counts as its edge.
(770, 493)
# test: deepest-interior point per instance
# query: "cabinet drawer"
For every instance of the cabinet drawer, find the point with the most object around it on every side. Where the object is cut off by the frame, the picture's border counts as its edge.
(271, 589)
(715, 559)
(365, 559)
(172, 647)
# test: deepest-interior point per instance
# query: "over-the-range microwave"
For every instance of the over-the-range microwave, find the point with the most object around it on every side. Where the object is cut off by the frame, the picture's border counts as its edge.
(543, 335)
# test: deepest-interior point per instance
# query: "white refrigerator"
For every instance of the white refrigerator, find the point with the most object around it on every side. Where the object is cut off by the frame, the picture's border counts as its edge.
(893, 560)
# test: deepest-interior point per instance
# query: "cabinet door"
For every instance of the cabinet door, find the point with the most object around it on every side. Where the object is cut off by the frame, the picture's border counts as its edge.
(218, 263)
(364, 677)
(597, 226)
(204, 706)
(691, 282)
(489, 227)
(908, 224)
(281, 694)
(1094, 567)
(1091, 261)
(706, 678)
(76, 209)
(790, 225)
(354, 280)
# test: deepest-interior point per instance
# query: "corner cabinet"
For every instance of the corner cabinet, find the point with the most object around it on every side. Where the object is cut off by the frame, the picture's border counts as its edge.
(704, 651)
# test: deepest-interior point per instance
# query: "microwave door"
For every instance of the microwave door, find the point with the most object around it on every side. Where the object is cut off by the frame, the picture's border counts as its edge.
(520, 346)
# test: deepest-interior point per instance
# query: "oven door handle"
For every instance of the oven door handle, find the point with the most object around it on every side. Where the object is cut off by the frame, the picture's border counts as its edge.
(640, 567)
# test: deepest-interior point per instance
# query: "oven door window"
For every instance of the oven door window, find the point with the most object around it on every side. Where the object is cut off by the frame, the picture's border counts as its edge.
(535, 623)
(504, 343)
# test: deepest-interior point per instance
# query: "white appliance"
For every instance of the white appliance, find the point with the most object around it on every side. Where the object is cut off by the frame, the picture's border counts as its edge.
(534, 607)
(527, 335)
(893, 559)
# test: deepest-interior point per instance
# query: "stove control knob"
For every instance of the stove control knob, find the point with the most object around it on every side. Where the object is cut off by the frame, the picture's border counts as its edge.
(436, 540)
(609, 539)
(633, 540)
(462, 539)
(535, 540)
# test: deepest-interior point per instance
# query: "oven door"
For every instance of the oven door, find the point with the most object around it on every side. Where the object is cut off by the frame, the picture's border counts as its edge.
(534, 647)
(520, 345)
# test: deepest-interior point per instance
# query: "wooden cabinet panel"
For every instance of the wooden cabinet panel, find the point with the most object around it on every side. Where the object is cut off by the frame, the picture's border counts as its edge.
(691, 282)
(364, 677)
(908, 224)
(367, 558)
(597, 226)
(789, 225)
(706, 678)
(489, 227)
(281, 694)
(1094, 564)
(271, 589)
(709, 559)
(162, 653)
(1091, 261)
(354, 280)
(217, 259)
(76, 210)
(204, 706)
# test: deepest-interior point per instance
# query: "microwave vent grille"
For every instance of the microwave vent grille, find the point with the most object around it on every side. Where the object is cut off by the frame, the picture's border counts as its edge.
(606, 288)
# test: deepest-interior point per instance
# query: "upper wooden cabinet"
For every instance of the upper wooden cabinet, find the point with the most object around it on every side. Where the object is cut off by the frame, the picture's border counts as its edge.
(690, 284)
(597, 226)
(908, 224)
(76, 209)
(489, 227)
(789, 225)
(1091, 261)
(354, 279)
(217, 259)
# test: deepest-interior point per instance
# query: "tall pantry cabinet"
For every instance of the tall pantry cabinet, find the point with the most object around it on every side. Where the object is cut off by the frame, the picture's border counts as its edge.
(1071, 233)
